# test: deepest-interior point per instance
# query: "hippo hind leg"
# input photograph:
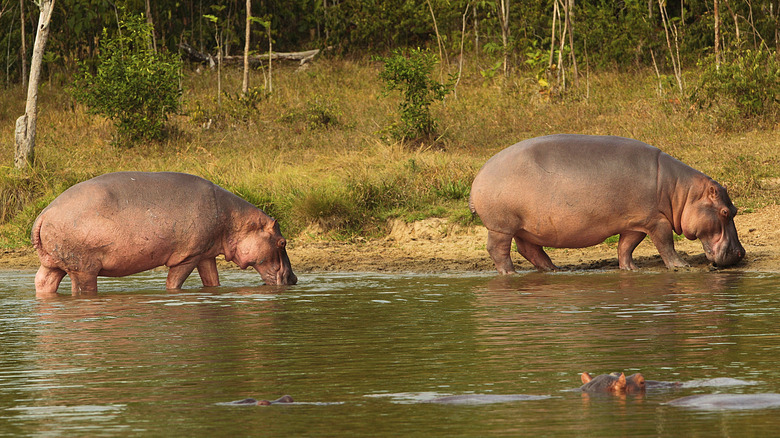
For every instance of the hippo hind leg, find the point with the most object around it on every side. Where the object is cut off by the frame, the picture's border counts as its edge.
(499, 246)
(83, 283)
(47, 280)
(535, 254)
(626, 245)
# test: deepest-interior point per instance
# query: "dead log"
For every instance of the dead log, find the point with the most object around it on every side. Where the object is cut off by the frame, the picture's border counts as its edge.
(301, 57)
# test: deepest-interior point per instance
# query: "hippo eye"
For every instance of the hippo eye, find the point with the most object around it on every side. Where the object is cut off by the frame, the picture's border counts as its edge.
(724, 212)
(281, 243)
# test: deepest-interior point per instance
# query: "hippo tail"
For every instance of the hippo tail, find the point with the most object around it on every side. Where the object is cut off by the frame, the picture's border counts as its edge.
(471, 206)
(35, 235)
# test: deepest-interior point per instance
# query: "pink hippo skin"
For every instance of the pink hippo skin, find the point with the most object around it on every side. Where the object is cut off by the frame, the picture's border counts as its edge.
(573, 191)
(127, 222)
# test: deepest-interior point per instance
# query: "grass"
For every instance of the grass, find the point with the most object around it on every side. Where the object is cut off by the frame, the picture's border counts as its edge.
(313, 152)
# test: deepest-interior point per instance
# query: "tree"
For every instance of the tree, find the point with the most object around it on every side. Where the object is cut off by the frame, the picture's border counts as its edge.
(25, 125)
(245, 83)
(133, 86)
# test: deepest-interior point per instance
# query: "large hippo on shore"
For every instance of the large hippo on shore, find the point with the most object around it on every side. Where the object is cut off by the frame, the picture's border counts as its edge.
(573, 191)
(122, 223)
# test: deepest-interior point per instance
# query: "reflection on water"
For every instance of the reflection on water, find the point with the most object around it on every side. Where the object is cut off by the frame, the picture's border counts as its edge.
(367, 353)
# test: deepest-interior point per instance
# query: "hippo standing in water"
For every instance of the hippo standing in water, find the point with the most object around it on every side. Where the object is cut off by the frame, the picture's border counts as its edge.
(574, 191)
(123, 223)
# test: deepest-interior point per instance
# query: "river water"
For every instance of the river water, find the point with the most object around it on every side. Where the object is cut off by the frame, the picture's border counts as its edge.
(363, 353)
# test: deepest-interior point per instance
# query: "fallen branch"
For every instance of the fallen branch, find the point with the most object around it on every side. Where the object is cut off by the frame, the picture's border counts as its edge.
(301, 57)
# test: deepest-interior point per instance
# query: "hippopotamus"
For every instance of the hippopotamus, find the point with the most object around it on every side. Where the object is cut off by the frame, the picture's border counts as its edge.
(123, 223)
(613, 383)
(574, 191)
(253, 402)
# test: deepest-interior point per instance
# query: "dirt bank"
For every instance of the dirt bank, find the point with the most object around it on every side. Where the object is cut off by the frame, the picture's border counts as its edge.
(434, 245)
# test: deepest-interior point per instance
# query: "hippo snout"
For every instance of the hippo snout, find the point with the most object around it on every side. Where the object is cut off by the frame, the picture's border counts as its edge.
(732, 256)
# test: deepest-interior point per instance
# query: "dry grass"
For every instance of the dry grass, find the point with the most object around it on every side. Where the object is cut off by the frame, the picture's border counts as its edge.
(313, 151)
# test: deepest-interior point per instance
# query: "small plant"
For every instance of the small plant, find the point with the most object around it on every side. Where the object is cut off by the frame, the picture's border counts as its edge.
(745, 85)
(133, 86)
(411, 75)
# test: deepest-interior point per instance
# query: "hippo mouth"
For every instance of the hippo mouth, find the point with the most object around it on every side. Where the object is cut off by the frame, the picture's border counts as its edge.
(280, 273)
(725, 256)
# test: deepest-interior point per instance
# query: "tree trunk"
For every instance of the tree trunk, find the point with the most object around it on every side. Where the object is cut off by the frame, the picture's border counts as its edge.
(245, 83)
(25, 125)
(570, 25)
(504, 18)
(717, 36)
(149, 20)
(24, 46)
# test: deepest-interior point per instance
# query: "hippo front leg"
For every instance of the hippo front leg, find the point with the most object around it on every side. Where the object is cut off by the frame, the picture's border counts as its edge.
(663, 239)
(499, 246)
(207, 269)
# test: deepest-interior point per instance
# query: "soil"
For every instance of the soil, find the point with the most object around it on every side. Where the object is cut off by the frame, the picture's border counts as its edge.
(435, 245)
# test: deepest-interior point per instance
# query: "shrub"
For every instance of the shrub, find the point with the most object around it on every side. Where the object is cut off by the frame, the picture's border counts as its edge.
(133, 86)
(745, 85)
(412, 77)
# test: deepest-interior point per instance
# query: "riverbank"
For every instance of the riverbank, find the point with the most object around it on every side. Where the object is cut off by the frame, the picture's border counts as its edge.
(437, 245)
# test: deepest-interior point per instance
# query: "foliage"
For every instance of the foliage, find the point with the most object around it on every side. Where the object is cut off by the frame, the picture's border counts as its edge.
(411, 75)
(133, 86)
(745, 85)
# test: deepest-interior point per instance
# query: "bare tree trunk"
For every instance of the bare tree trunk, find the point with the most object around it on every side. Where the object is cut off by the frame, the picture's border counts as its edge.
(25, 125)
(503, 16)
(570, 25)
(717, 36)
(24, 46)
(562, 37)
(675, 57)
(552, 35)
(735, 18)
(270, 87)
(245, 83)
(460, 58)
(442, 53)
(151, 23)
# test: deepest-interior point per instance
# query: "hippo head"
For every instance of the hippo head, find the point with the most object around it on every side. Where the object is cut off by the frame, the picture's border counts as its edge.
(609, 383)
(710, 218)
(261, 245)
(613, 383)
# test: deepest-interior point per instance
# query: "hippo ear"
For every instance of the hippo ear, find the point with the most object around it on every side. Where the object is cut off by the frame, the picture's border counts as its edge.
(622, 380)
(713, 193)
(585, 377)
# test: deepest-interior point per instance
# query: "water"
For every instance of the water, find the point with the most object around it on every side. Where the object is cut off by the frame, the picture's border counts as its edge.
(364, 352)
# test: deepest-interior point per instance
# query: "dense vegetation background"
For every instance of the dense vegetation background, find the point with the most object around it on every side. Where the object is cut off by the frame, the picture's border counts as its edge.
(319, 151)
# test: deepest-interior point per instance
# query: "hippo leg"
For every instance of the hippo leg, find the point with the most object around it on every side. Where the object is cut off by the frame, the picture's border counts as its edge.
(207, 269)
(83, 283)
(663, 240)
(499, 245)
(47, 280)
(177, 274)
(626, 246)
(536, 255)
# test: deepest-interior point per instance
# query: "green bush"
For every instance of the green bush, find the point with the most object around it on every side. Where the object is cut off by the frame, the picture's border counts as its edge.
(746, 85)
(411, 75)
(133, 86)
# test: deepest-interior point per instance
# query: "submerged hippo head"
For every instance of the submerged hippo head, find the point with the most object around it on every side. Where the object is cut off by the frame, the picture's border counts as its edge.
(710, 218)
(613, 383)
(261, 245)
